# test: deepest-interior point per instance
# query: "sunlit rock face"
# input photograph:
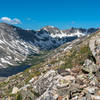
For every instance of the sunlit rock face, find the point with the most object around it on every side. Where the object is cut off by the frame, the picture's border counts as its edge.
(95, 47)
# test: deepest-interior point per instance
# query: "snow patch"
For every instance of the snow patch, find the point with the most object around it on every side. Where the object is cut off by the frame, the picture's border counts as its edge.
(5, 61)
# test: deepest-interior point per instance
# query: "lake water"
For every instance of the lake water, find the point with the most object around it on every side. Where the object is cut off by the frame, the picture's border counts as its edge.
(9, 71)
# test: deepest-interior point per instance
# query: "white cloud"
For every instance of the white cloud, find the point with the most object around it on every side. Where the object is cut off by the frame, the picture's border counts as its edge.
(10, 21)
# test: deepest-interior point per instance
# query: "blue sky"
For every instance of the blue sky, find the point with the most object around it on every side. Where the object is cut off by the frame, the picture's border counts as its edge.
(64, 14)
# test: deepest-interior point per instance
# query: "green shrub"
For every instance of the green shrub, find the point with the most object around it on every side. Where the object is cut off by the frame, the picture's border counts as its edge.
(19, 97)
(78, 56)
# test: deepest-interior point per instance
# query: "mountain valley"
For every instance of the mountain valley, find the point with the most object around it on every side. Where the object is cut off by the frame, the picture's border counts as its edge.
(67, 69)
(17, 44)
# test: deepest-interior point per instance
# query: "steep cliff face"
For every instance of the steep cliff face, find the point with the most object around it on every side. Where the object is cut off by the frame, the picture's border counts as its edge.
(15, 45)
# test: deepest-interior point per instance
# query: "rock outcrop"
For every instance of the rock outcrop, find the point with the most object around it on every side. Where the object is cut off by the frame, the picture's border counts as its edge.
(89, 66)
(94, 45)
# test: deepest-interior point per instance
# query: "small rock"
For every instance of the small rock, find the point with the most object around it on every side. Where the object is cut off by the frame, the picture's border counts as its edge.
(47, 96)
(98, 93)
(69, 77)
(83, 98)
(89, 66)
(76, 70)
(64, 81)
(63, 72)
(60, 98)
(44, 82)
(94, 81)
(95, 97)
(88, 96)
(91, 90)
(30, 81)
(15, 90)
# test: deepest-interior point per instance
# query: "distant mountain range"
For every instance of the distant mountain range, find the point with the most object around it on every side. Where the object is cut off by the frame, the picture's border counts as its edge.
(16, 43)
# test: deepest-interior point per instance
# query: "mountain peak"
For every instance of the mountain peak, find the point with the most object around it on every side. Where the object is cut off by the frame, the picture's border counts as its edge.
(48, 26)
